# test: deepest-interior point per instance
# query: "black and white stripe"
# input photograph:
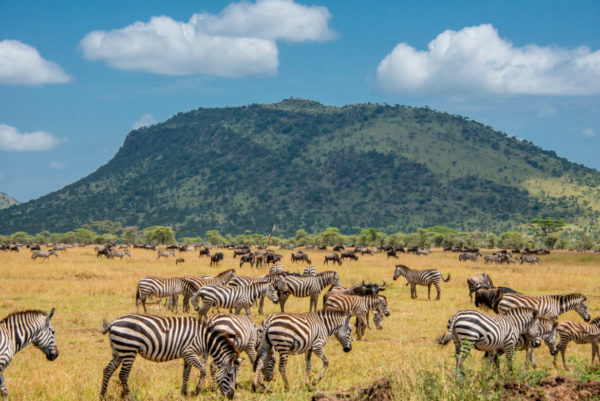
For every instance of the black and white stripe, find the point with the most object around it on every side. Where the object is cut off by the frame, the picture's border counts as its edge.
(421, 277)
(191, 284)
(358, 306)
(160, 287)
(237, 298)
(20, 329)
(309, 271)
(307, 287)
(579, 333)
(160, 339)
(550, 306)
(299, 333)
(497, 333)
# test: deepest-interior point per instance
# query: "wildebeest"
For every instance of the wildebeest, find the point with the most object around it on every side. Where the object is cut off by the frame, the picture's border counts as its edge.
(338, 248)
(490, 297)
(204, 251)
(530, 259)
(392, 254)
(247, 258)
(300, 256)
(43, 254)
(469, 256)
(349, 255)
(272, 258)
(216, 258)
(179, 260)
(332, 257)
(241, 251)
(480, 281)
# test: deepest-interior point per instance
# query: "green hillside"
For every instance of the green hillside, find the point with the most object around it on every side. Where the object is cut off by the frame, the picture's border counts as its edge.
(7, 201)
(299, 164)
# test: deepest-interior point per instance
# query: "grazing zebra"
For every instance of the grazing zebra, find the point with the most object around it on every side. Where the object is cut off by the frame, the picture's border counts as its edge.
(191, 284)
(550, 306)
(421, 277)
(18, 330)
(164, 254)
(530, 259)
(469, 256)
(161, 339)
(239, 298)
(358, 306)
(159, 287)
(580, 333)
(43, 254)
(309, 271)
(307, 287)
(119, 254)
(489, 333)
(245, 335)
(298, 333)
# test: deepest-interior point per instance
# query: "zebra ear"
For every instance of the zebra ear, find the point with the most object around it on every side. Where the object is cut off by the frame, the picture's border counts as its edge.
(554, 325)
(238, 361)
(49, 316)
(535, 313)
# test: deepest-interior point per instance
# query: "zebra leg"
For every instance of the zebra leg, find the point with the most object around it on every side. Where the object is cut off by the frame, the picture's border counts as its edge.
(187, 368)
(191, 359)
(413, 291)
(439, 292)
(283, 357)
(202, 313)
(461, 353)
(108, 372)
(429, 291)
(509, 358)
(282, 300)
(257, 378)
(314, 299)
(529, 358)
(562, 354)
(3, 388)
(186, 303)
(595, 352)
(124, 374)
(308, 367)
(321, 354)
(261, 304)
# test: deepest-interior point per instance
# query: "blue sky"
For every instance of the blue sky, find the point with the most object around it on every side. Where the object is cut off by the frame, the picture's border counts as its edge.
(76, 77)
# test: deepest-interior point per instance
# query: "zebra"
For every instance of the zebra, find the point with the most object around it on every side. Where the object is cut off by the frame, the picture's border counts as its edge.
(358, 306)
(244, 281)
(245, 335)
(298, 333)
(119, 254)
(165, 254)
(550, 306)
(159, 287)
(18, 330)
(43, 254)
(530, 259)
(221, 296)
(161, 339)
(307, 287)
(309, 271)
(469, 256)
(421, 277)
(191, 284)
(580, 333)
(490, 333)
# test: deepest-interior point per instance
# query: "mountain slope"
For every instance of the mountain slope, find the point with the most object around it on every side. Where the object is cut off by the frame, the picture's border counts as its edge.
(7, 201)
(299, 164)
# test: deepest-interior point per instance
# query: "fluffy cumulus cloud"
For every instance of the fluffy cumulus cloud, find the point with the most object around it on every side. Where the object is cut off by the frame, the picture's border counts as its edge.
(588, 132)
(12, 140)
(477, 60)
(239, 41)
(144, 121)
(21, 64)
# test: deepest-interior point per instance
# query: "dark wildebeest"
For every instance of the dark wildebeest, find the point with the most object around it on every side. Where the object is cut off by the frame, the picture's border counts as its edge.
(392, 254)
(216, 258)
(349, 255)
(480, 281)
(179, 260)
(338, 248)
(490, 297)
(272, 258)
(204, 251)
(35, 247)
(300, 256)
(247, 258)
(358, 289)
(469, 256)
(240, 251)
(333, 257)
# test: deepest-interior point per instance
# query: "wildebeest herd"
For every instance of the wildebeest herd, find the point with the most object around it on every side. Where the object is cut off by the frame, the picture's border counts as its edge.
(522, 321)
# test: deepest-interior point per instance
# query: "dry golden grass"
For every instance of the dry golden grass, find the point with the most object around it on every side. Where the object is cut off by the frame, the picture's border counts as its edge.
(85, 289)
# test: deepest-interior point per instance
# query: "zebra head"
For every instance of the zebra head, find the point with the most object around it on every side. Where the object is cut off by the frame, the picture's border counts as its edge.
(43, 339)
(195, 302)
(548, 327)
(343, 333)
(582, 309)
(271, 293)
(400, 271)
(532, 329)
(382, 305)
(377, 319)
(226, 377)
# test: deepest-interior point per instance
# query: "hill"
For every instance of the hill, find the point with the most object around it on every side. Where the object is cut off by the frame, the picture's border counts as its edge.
(300, 164)
(7, 201)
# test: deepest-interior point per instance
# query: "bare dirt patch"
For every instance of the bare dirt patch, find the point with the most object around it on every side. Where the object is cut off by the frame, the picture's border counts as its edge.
(553, 388)
(379, 390)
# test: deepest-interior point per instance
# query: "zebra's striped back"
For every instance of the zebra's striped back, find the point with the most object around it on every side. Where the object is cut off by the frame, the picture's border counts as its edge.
(307, 286)
(159, 339)
(550, 306)
(158, 287)
(357, 305)
(231, 297)
(242, 331)
(419, 277)
(309, 271)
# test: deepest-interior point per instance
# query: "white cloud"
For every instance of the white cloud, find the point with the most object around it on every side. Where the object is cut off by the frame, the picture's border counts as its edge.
(546, 112)
(21, 64)
(13, 140)
(2, 176)
(57, 165)
(588, 132)
(144, 121)
(476, 60)
(238, 42)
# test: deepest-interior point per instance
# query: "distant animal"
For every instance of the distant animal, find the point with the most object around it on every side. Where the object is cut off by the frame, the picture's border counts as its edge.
(272, 258)
(490, 297)
(337, 248)
(349, 255)
(59, 247)
(550, 306)
(204, 251)
(309, 271)
(358, 306)
(299, 333)
(191, 284)
(307, 287)
(179, 260)
(392, 254)
(530, 259)
(247, 258)
(334, 257)
(43, 254)
(426, 277)
(216, 258)
(479, 281)
(240, 251)
(18, 330)
(160, 287)
(469, 256)
(300, 256)
(423, 252)
(119, 254)
(161, 339)
(164, 254)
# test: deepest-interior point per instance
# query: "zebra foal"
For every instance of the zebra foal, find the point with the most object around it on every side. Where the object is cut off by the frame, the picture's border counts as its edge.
(421, 277)
(358, 306)
(299, 333)
(498, 333)
(18, 330)
(162, 339)
(579, 333)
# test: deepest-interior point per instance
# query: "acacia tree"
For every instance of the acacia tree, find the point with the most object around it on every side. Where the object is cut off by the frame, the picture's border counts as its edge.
(544, 228)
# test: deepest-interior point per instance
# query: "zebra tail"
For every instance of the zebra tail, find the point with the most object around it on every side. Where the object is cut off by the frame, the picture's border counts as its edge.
(265, 347)
(444, 339)
(137, 296)
(447, 278)
(105, 326)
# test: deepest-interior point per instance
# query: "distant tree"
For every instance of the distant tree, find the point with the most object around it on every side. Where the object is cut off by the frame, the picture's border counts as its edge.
(129, 234)
(492, 240)
(104, 226)
(215, 238)
(42, 237)
(20, 237)
(163, 235)
(396, 239)
(586, 242)
(331, 236)
(84, 236)
(513, 239)
(4, 239)
(69, 237)
(300, 237)
(543, 228)
(370, 236)
(423, 237)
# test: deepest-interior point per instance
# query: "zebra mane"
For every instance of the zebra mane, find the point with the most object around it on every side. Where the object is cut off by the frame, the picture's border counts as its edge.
(225, 272)
(596, 321)
(25, 312)
(225, 335)
(404, 267)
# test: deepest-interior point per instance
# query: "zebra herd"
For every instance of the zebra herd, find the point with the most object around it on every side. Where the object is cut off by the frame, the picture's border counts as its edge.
(523, 322)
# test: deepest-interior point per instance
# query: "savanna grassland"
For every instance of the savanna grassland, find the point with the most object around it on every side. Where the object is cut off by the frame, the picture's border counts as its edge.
(85, 289)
